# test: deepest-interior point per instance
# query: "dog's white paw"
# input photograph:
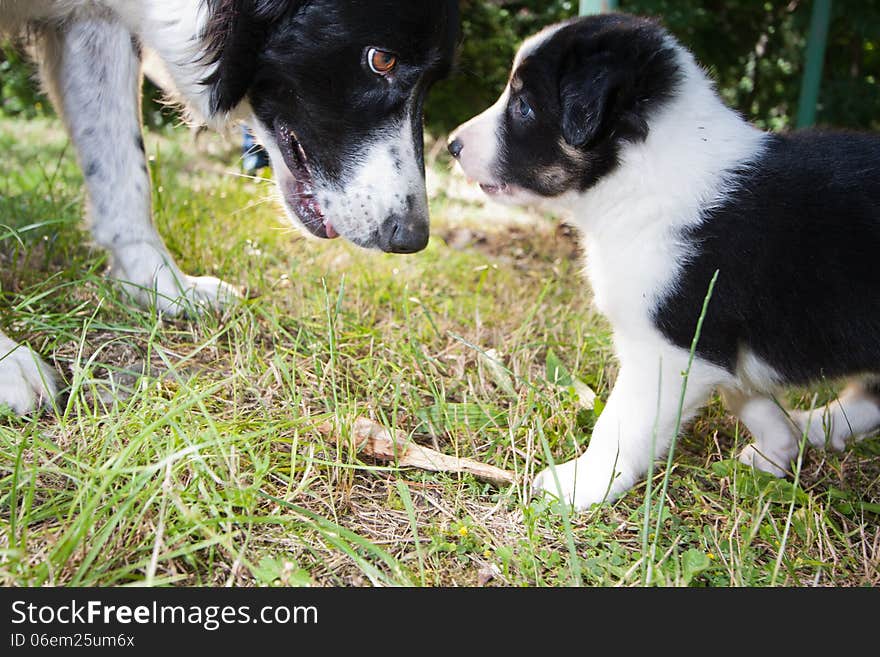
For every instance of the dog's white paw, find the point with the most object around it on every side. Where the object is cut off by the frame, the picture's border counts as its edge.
(571, 484)
(149, 276)
(26, 382)
(773, 464)
(191, 294)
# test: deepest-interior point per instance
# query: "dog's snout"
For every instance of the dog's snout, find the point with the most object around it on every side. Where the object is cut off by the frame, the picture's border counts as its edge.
(404, 234)
(456, 146)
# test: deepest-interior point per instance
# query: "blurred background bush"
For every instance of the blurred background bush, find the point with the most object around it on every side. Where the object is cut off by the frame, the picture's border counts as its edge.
(755, 51)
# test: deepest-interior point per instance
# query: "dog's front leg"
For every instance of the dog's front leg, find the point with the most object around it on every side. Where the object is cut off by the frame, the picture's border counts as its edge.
(92, 69)
(639, 421)
(26, 382)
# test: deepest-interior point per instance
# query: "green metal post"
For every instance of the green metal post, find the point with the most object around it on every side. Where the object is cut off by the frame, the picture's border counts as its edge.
(597, 6)
(817, 43)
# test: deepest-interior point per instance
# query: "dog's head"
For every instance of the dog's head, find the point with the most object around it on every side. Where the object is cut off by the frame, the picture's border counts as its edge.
(337, 90)
(578, 91)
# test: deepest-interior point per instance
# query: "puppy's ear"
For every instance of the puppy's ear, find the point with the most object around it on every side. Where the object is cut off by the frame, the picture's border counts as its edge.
(234, 37)
(586, 92)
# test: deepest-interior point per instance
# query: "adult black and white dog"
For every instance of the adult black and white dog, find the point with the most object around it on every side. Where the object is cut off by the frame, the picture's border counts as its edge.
(611, 120)
(333, 89)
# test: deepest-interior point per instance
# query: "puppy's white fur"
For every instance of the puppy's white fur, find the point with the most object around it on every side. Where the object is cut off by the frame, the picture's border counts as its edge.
(852, 416)
(633, 259)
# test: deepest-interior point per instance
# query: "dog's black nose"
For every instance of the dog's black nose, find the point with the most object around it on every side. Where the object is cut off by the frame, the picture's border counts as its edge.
(404, 234)
(455, 148)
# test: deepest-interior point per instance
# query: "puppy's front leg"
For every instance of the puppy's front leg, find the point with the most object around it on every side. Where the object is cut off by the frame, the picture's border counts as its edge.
(638, 421)
(92, 69)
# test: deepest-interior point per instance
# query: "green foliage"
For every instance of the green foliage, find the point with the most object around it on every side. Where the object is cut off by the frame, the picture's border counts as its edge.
(491, 33)
(755, 51)
(19, 95)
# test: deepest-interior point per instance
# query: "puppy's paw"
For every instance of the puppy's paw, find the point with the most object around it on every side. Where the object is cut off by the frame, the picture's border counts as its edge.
(849, 419)
(26, 382)
(570, 485)
(773, 464)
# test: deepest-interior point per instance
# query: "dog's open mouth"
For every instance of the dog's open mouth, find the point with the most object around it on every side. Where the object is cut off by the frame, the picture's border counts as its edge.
(300, 193)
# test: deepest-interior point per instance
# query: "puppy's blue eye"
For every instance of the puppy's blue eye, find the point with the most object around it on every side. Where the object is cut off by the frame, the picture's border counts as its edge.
(524, 108)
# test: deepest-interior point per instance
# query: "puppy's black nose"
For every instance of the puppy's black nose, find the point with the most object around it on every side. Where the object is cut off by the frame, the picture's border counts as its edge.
(455, 148)
(404, 234)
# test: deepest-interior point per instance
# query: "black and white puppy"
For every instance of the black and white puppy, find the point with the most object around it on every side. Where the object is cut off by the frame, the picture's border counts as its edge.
(610, 120)
(333, 89)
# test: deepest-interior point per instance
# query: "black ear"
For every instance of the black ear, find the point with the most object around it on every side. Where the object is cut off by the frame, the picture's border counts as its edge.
(234, 37)
(586, 93)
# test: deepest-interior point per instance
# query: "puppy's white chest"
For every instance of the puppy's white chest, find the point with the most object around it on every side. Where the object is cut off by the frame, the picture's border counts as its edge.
(629, 278)
(630, 271)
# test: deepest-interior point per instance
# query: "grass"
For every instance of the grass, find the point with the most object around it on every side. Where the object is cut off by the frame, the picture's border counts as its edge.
(185, 452)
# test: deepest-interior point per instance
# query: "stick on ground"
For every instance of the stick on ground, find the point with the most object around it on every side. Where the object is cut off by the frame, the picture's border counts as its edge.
(376, 441)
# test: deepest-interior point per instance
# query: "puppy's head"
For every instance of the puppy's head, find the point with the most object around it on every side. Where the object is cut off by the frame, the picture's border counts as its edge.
(578, 91)
(337, 90)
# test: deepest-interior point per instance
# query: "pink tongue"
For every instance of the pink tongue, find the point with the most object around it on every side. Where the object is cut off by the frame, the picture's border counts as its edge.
(331, 232)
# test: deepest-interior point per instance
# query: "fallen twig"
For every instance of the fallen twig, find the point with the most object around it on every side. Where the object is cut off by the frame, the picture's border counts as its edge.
(376, 441)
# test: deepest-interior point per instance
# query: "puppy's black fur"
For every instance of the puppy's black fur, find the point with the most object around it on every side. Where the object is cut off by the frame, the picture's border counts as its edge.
(596, 82)
(796, 247)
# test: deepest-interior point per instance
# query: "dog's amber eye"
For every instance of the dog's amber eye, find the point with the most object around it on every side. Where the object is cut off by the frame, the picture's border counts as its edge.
(381, 62)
